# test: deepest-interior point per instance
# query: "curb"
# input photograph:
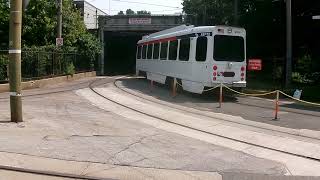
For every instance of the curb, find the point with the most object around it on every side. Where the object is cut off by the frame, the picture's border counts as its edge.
(44, 82)
(229, 118)
(96, 170)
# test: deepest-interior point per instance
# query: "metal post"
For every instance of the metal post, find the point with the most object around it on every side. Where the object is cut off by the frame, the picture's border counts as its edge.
(277, 106)
(204, 16)
(15, 60)
(174, 87)
(151, 85)
(59, 18)
(96, 18)
(221, 95)
(102, 70)
(102, 54)
(289, 44)
(53, 57)
(38, 61)
(109, 7)
(236, 12)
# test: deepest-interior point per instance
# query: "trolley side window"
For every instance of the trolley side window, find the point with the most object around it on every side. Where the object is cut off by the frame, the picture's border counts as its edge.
(164, 51)
(139, 52)
(201, 51)
(184, 49)
(156, 51)
(144, 52)
(228, 48)
(150, 47)
(173, 50)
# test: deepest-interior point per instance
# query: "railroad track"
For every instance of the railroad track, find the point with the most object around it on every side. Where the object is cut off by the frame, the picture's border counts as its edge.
(53, 173)
(57, 90)
(99, 82)
(207, 116)
(92, 87)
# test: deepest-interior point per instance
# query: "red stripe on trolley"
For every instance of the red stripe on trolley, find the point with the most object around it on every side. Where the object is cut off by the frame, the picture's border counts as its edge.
(159, 41)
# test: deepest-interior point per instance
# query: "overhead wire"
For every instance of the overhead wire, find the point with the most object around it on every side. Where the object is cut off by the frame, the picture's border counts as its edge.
(151, 4)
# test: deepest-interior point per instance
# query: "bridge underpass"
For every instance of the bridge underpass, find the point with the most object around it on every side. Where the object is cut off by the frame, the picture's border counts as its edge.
(120, 51)
(119, 36)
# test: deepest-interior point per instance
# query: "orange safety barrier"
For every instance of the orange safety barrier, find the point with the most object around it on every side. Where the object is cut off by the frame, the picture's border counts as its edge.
(221, 86)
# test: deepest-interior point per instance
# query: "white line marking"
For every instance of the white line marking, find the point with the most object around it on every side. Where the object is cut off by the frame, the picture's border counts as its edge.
(15, 51)
(14, 94)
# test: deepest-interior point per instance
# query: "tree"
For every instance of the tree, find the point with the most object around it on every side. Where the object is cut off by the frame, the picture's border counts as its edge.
(263, 20)
(143, 12)
(121, 13)
(4, 24)
(208, 12)
(39, 23)
(130, 12)
(40, 26)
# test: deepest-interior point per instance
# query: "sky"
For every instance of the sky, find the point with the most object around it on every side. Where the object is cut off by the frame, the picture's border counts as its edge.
(155, 6)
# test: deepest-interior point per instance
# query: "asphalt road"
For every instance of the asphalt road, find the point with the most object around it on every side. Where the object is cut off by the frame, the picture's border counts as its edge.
(260, 110)
(59, 124)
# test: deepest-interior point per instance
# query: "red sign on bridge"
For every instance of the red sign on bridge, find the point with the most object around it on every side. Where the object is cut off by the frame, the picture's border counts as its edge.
(255, 65)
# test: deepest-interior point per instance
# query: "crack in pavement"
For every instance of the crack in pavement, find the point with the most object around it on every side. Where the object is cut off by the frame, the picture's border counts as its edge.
(129, 146)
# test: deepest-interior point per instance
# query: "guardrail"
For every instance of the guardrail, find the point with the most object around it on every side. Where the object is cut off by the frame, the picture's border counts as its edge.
(277, 94)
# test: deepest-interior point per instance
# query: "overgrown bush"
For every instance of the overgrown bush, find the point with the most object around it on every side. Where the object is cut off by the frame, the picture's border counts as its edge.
(277, 73)
(304, 64)
(70, 69)
(299, 78)
(314, 77)
(3, 67)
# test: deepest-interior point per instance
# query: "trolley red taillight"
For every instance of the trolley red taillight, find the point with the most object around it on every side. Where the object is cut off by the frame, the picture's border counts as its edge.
(215, 68)
(243, 68)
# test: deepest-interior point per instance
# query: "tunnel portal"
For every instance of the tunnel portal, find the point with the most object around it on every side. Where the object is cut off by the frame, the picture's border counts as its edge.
(119, 35)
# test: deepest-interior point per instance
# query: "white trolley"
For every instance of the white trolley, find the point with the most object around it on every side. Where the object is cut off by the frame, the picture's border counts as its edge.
(198, 57)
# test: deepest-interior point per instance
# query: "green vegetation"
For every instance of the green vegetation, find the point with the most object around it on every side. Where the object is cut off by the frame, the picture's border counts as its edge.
(39, 34)
(131, 12)
(4, 24)
(265, 23)
(3, 66)
(70, 69)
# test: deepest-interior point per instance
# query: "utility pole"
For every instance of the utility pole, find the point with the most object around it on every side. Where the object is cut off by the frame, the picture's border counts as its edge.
(236, 12)
(59, 17)
(15, 60)
(96, 18)
(204, 16)
(289, 43)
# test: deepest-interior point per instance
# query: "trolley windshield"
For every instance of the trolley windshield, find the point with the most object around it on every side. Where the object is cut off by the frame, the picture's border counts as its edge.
(228, 48)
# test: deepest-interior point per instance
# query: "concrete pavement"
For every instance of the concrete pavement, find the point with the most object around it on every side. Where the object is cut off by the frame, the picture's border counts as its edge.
(65, 132)
(270, 140)
(253, 109)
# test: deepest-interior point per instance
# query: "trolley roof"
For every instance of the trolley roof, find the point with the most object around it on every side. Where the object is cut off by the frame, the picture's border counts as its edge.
(185, 30)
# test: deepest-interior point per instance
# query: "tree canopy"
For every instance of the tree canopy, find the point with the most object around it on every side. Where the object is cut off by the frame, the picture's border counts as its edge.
(120, 13)
(39, 35)
(265, 23)
(130, 12)
(4, 24)
(143, 12)
(264, 20)
(39, 27)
